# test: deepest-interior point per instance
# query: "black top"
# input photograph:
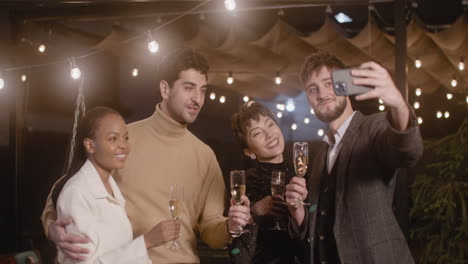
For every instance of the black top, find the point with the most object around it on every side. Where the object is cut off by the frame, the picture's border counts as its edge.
(264, 245)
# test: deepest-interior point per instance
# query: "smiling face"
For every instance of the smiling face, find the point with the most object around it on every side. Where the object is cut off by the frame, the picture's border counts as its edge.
(319, 89)
(265, 140)
(184, 100)
(109, 148)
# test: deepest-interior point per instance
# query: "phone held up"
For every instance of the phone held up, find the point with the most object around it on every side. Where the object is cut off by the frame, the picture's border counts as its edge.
(343, 83)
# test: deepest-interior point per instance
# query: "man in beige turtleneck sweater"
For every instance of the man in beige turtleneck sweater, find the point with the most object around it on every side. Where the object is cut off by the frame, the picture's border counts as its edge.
(164, 152)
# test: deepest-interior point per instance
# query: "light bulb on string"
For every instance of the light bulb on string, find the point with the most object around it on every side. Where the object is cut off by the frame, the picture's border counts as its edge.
(417, 63)
(446, 114)
(279, 114)
(280, 107)
(320, 132)
(312, 111)
(24, 77)
(75, 72)
(230, 4)
(439, 114)
(41, 48)
(290, 106)
(230, 79)
(306, 120)
(294, 126)
(466, 99)
(418, 92)
(222, 99)
(416, 105)
(2, 83)
(153, 46)
(380, 101)
(461, 64)
(278, 79)
(420, 120)
(245, 99)
(449, 96)
(135, 72)
(212, 96)
(454, 82)
(381, 107)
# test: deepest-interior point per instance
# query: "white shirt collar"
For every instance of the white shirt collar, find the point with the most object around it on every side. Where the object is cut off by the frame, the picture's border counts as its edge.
(96, 186)
(338, 135)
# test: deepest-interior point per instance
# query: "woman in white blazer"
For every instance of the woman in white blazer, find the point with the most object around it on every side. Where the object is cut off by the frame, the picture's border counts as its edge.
(89, 195)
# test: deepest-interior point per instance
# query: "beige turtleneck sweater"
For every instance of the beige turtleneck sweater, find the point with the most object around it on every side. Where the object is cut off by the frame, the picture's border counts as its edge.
(164, 152)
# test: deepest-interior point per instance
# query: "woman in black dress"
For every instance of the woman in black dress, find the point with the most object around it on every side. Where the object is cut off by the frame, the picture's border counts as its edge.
(262, 141)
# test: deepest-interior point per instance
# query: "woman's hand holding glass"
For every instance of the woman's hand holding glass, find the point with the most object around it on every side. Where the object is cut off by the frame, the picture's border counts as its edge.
(239, 216)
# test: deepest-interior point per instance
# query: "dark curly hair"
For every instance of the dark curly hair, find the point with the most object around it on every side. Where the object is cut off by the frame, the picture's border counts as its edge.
(181, 60)
(316, 61)
(241, 120)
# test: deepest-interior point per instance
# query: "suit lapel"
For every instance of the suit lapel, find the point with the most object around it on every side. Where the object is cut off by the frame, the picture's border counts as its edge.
(344, 157)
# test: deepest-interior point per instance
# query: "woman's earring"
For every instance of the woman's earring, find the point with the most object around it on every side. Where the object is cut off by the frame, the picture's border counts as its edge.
(252, 156)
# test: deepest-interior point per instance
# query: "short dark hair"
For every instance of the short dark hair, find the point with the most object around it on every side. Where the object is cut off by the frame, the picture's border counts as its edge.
(241, 120)
(86, 128)
(181, 60)
(316, 61)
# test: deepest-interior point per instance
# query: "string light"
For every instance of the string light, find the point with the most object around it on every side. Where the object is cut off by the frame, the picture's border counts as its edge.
(2, 83)
(23, 77)
(418, 92)
(454, 82)
(466, 99)
(306, 120)
(279, 114)
(439, 114)
(461, 64)
(230, 79)
(294, 126)
(420, 120)
(280, 107)
(446, 114)
(135, 72)
(222, 99)
(230, 4)
(245, 98)
(153, 46)
(320, 132)
(212, 96)
(290, 105)
(41, 48)
(75, 71)
(416, 105)
(278, 79)
(381, 107)
(417, 63)
(380, 101)
(449, 96)
(312, 111)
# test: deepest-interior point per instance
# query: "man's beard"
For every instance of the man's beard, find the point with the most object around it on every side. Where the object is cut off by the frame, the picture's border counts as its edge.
(329, 116)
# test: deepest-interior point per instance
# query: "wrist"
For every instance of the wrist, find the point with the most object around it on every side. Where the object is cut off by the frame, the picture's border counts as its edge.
(148, 242)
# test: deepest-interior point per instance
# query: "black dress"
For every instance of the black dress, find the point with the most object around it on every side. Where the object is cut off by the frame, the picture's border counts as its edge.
(263, 245)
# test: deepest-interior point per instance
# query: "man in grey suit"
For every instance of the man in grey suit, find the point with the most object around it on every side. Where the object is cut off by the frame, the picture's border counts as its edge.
(351, 185)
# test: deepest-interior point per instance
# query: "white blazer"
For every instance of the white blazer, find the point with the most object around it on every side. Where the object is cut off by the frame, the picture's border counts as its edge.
(100, 217)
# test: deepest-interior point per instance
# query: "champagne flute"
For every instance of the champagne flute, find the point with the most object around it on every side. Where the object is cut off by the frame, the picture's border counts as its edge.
(301, 160)
(237, 180)
(175, 208)
(278, 187)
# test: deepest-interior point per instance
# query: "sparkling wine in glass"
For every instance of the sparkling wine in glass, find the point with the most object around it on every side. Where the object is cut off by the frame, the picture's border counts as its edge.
(301, 160)
(175, 208)
(278, 188)
(237, 180)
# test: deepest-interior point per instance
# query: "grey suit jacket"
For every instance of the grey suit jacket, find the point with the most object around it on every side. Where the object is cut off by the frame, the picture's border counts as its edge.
(366, 230)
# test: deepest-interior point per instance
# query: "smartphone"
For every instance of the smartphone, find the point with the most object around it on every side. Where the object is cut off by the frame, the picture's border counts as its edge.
(343, 83)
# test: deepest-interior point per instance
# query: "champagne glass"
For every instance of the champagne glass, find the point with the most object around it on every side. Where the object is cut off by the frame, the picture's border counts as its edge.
(237, 180)
(278, 187)
(301, 160)
(175, 208)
